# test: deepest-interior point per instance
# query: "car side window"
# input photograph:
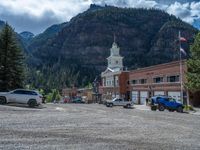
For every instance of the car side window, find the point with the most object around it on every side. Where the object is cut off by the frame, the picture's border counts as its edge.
(167, 99)
(25, 92)
(18, 92)
(33, 93)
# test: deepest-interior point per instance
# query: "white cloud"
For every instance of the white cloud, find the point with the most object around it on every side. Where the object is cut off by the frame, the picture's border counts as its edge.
(37, 15)
(63, 9)
(185, 11)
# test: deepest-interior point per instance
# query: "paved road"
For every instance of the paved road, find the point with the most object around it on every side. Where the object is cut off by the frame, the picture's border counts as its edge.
(94, 126)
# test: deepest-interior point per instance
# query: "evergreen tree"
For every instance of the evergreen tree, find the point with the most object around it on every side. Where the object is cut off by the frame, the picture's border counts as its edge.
(11, 61)
(193, 64)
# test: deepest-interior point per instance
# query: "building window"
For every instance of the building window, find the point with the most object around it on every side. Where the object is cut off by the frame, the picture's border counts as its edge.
(134, 81)
(107, 83)
(173, 78)
(104, 82)
(117, 82)
(158, 79)
(143, 81)
(117, 62)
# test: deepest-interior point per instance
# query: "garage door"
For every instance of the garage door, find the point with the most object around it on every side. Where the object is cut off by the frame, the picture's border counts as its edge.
(143, 96)
(135, 96)
(175, 95)
(159, 93)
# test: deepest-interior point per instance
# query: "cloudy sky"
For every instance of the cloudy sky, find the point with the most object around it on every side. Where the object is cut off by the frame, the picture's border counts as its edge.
(37, 15)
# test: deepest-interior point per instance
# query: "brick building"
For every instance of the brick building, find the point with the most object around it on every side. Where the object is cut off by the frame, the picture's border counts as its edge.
(140, 84)
(163, 79)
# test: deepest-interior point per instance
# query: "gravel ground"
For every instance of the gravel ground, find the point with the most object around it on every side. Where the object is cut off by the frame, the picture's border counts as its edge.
(94, 126)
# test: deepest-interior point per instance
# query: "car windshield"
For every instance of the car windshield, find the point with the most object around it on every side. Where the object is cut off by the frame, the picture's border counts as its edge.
(172, 100)
(115, 99)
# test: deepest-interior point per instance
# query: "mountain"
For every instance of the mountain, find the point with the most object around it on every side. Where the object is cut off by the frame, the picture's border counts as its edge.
(196, 23)
(48, 34)
(26, 37)
(145, 36)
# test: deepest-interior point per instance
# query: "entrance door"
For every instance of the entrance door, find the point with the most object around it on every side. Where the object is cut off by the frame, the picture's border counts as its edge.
(143, 97)
(135, 96)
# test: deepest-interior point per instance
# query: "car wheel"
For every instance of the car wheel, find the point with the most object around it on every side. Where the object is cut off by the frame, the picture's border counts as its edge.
(161, 108)
(2, 100)
(180, 109)
(128, 106)
(111, 105)
(32, 103)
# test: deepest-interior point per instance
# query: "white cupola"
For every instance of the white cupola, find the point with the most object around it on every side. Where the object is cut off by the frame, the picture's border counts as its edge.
(115, 60)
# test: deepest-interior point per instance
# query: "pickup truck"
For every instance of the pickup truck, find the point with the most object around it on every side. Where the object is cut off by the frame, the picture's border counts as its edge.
(119, 102)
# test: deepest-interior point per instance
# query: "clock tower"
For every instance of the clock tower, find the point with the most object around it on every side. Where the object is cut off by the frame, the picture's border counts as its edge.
(115, 60)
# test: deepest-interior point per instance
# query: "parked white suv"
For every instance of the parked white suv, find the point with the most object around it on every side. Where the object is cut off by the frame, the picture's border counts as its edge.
(22, 96)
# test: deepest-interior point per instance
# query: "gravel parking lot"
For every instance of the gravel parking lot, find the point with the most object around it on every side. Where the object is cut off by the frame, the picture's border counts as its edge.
(94, 126)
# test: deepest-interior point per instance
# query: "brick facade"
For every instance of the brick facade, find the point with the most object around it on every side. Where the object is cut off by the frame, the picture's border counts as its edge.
(119, 86)
(163, 79)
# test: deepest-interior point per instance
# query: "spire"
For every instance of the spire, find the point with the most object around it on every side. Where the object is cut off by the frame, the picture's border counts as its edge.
(114, 45)
(114, 38)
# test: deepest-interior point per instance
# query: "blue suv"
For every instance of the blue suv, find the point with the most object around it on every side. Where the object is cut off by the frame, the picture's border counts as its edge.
(163, 102)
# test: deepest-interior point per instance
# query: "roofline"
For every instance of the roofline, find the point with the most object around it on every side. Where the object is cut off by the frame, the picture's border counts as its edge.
(25, 89)
(159, 65)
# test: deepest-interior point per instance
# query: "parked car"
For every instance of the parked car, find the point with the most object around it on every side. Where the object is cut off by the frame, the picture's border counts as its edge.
(66, 99)
(119, 102)
(22, 96)
(78, 100)
(163, 102)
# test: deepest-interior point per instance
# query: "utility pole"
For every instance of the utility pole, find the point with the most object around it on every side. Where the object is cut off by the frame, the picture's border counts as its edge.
(181, 67)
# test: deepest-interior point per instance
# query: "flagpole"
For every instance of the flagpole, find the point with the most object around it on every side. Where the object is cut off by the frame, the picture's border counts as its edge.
(181, 68)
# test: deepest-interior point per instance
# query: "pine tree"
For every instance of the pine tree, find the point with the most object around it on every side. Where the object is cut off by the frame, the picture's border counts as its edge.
(193, 64)
(11, 61)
